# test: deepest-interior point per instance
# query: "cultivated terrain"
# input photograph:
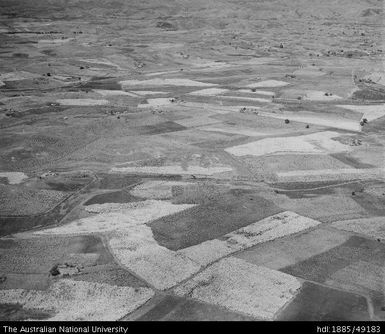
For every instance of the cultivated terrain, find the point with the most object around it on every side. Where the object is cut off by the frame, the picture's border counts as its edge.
(192, 160)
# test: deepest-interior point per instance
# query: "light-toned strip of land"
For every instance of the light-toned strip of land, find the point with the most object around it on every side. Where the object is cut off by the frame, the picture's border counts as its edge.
(82, 102)
(330, 175)
(147, 92)
(332, 121)
(209, 92)
(165, 82)
(239, 131)
(172, 170)
(315, 143)
(268, 83)
(105, 92)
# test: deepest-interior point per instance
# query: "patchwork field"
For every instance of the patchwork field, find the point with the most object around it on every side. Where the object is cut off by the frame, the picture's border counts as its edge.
(192, 160)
